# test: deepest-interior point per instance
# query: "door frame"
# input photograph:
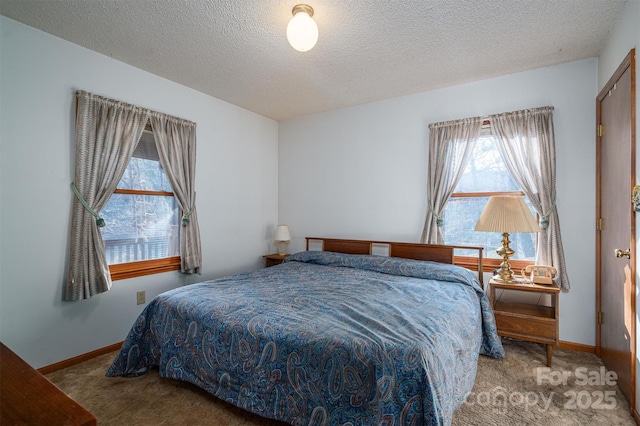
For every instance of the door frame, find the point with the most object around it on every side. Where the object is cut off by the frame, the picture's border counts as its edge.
(628, 62)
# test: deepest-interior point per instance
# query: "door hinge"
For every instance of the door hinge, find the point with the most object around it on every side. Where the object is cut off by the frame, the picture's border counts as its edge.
(599, 317)
(599, 224)
(600, 130)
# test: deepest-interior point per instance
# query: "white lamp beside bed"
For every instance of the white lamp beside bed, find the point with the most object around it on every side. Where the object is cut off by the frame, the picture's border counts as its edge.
(282, 239)
(506, 214)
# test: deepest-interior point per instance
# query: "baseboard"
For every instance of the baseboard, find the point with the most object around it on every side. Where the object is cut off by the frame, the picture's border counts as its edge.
(78, 359)
(636, 417)
(577, 347)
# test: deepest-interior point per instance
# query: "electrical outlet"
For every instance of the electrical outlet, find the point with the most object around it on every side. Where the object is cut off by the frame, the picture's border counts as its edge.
(140, 297)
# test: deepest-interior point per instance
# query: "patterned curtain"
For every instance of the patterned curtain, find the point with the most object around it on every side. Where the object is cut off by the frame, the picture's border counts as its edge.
(107, 133)
(526, 143)
(176, 143)
(450, 145)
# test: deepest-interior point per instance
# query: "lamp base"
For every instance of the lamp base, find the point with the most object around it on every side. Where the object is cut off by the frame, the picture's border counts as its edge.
(282, 247)
(505, 273)
(500, 280)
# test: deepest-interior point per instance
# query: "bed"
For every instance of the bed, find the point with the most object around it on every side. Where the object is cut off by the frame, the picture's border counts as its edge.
(342, 335)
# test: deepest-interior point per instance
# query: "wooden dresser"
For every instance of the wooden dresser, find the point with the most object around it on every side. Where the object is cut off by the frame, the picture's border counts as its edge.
(29, 398)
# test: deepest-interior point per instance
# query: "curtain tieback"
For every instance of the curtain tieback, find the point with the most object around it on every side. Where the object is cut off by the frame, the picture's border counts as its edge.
(185, 216)
(439, 220)
(544, 220)
(99, 221)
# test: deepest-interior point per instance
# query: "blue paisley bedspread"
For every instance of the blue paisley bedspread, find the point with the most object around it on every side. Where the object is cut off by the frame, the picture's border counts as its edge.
(324, 339)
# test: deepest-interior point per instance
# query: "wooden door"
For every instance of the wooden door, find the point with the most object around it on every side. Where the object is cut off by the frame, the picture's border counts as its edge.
(615, 332)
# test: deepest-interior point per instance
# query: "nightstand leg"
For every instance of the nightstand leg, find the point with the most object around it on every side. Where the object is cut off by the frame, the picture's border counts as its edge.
(549, 353)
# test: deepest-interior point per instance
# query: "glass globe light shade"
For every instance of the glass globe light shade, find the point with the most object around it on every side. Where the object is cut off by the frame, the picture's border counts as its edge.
(302, 32)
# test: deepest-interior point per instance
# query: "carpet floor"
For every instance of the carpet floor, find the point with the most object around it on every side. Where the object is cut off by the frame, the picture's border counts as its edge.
(518, 390)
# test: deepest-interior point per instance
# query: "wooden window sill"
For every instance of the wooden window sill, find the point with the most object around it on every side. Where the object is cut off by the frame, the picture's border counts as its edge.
(121, 271)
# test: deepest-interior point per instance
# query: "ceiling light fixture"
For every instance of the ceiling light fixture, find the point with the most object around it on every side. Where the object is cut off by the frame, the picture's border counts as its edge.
(302, 31)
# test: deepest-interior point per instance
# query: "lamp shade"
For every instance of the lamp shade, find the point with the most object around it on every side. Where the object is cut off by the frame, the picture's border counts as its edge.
(282, 233)
(507, 213)
(302, 30)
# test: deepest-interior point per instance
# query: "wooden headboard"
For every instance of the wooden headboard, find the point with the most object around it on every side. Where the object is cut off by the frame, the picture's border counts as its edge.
(416, 251)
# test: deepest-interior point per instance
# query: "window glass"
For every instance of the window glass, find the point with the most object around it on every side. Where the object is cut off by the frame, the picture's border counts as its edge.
(144, 171)
(142, 217)
(486, 171)
(485, 174)
(140, 227)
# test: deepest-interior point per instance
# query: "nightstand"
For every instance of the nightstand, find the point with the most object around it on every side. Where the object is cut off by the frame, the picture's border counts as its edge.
(274, 259)
(526, 320)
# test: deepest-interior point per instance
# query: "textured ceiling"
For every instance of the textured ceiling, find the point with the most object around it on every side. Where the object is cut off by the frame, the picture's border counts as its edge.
(368, 50)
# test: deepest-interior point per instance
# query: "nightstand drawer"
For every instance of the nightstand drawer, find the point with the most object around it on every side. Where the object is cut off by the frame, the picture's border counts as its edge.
(531, 326)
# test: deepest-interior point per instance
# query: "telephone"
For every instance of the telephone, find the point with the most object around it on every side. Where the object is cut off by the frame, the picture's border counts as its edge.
(540, 274)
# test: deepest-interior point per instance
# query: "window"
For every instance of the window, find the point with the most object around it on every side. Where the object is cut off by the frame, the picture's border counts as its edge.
(108, 132)
(142, 218)
(484, 176)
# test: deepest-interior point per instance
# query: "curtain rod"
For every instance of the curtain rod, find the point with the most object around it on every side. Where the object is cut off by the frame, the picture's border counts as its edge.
(129, 105)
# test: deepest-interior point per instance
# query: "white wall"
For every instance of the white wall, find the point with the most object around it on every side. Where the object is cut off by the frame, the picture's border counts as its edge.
(236, 183)
(624, 37)
(361, 172)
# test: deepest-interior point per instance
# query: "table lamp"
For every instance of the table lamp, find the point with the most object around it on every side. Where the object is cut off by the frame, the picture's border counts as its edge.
(282, 239)
(506, 214)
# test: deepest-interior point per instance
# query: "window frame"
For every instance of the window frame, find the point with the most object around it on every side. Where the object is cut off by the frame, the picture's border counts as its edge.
(121, 271)
(488, 264)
